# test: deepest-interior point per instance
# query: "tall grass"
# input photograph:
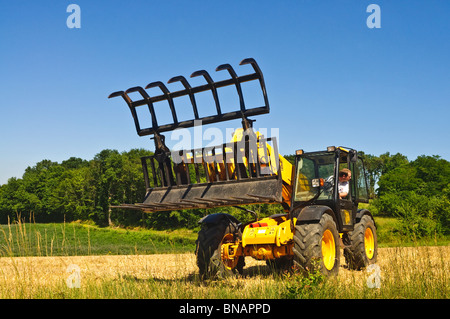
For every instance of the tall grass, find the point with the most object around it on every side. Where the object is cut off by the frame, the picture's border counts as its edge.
(30, 239)
(406, 272)
(126, 270)
(77, 239)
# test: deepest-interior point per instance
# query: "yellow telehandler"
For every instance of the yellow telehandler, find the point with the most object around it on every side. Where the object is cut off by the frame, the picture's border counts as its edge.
(316, 222)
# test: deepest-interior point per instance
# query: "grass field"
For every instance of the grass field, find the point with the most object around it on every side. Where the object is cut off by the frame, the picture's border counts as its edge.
(77, 239)
(37, 260)
(405, 272)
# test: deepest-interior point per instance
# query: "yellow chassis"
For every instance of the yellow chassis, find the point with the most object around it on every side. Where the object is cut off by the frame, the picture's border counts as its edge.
(269, 238)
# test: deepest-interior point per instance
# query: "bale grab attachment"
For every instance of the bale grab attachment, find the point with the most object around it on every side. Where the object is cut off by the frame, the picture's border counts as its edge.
(243, 171)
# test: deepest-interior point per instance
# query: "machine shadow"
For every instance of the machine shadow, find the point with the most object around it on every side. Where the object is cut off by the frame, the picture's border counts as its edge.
(263, 271)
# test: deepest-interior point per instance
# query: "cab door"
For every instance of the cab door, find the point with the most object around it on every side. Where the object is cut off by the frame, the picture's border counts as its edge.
(360, 185)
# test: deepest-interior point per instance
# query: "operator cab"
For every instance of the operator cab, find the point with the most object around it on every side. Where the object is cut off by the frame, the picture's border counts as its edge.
(316, 183)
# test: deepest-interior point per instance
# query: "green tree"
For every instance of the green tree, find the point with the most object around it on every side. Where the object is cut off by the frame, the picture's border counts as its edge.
(417, 192)
(434, 172)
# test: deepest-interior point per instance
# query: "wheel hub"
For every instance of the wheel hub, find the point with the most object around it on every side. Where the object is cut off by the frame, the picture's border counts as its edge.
(328, 249)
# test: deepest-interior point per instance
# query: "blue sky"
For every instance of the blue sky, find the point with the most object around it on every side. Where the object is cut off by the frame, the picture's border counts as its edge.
(330, 79)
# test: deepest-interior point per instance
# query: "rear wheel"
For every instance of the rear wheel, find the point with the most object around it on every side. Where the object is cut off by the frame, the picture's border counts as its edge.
(316, 246)
(362, 248)
(209, 252)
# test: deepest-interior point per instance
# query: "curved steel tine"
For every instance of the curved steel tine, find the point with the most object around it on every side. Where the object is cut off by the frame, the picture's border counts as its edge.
(149, 103)
(211, 85)
(115, 94)
(234, 76)
(138, 89)
(168, 97)
(260, 76)
(188, 87)
(126, 98)
(131, 107)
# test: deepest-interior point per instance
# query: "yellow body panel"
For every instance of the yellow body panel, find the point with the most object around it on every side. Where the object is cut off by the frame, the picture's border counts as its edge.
(285, 233)
(274, 233)
(268, 242)
(286, 176)
(259, 235)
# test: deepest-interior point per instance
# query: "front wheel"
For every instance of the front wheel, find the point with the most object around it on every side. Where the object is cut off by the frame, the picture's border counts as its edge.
(316, 246)
(362, 249)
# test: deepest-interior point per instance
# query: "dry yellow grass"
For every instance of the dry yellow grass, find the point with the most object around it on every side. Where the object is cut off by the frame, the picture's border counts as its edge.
(404, 270)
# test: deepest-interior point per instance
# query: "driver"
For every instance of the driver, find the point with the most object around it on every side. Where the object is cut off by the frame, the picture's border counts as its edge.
(343, 186)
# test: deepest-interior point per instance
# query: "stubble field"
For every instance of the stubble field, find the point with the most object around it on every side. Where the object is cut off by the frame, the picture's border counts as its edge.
(404, 272)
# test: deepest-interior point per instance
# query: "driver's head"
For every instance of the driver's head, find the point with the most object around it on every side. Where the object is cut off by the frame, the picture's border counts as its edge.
(345, 175)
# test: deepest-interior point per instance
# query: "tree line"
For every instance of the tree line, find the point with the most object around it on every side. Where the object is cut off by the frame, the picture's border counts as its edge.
(75, 189)
(418, 192)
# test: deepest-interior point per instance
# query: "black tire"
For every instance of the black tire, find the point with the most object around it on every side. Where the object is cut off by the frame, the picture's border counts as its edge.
(208, 250)
(361, 247)
(307, 249)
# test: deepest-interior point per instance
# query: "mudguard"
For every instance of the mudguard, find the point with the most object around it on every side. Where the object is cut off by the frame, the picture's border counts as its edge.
(314, 213)
(361, 213)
